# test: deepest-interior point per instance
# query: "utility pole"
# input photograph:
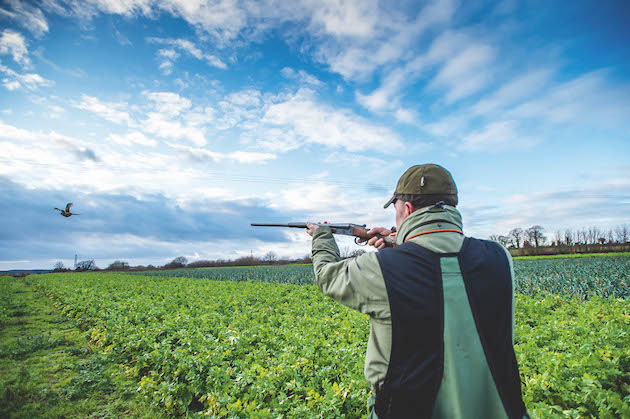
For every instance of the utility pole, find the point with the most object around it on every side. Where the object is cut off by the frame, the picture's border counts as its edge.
(75, 261)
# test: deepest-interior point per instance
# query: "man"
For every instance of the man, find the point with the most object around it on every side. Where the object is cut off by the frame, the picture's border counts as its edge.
(441, 308)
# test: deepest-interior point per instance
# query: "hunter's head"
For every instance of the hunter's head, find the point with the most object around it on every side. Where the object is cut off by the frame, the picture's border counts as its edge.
(422, 186)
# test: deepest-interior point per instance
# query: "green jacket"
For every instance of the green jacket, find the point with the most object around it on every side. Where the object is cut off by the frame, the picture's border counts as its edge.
(358, 284)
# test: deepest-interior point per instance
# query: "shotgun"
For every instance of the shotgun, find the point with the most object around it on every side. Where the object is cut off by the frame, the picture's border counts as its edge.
(356, 230)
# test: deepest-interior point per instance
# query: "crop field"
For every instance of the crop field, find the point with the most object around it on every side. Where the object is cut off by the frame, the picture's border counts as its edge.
(287, 274)
(579, 276)
(258, 345)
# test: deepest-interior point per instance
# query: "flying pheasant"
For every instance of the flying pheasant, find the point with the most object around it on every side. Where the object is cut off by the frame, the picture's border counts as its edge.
(66, 212)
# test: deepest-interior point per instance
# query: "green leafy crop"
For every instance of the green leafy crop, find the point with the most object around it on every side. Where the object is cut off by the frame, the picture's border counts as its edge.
(254, 349)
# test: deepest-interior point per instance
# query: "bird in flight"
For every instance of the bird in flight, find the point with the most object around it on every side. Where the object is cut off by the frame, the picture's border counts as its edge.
(66, 212)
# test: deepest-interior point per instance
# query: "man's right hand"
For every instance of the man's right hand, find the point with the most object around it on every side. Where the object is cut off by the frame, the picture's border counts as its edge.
(380, 242)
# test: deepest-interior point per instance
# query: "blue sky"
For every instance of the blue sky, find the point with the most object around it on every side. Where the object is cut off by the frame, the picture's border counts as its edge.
(172, 125)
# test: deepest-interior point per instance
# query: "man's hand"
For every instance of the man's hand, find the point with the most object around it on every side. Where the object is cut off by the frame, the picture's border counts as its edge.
(310, 228)
(378, 242)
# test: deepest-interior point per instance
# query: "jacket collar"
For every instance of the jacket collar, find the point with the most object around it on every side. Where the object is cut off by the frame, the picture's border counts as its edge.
(427, 219)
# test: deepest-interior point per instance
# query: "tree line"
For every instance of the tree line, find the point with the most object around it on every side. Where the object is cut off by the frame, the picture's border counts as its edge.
(534, 236)
(270, 258)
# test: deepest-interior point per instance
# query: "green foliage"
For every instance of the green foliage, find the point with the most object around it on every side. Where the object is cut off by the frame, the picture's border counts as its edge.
(224, 348)
(574, 356)
(285, 274)
(250, 349)
(574, 255)
(584, 277)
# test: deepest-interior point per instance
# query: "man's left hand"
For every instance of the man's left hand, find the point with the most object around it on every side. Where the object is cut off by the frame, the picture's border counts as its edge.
(310, 228)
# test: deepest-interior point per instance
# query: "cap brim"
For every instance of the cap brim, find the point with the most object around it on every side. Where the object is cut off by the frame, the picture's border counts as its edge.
(390, 201)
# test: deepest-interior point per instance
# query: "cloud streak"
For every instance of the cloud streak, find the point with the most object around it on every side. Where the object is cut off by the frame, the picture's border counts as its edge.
(27, 16)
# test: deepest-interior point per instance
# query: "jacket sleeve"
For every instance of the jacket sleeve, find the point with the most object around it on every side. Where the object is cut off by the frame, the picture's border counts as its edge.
(356, 282)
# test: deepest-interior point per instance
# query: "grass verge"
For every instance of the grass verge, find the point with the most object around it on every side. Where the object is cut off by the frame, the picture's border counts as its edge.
(47, 368)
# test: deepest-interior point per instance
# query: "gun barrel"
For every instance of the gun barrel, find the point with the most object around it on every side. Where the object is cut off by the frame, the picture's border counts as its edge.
(303, 225)
(293, 225)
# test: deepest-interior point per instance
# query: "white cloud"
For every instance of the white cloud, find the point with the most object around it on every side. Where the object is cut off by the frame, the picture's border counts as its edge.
(127, 7)
(170, 53)
(133, 137)
(28, 16)
(56, 111)
(346, 18)
(526, 85)
(390, 41)
(387, 96)
(315, 123)
(30, 81)
(406, 115)
(168, 56)
(11, 84)
(122, 39)
(172, 116)
(14, 133)
(589, 97)
(496, 136)
(465, 73)
(250, 157)
(301, 75)
(14, 44)
(201, 154)
(247, 98)
(167, 103)
(31, 144)
(316, 197)
(161, 125)
(353, 37)
(114, 112)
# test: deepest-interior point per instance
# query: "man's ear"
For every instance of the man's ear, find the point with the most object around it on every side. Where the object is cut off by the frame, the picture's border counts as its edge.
(409, 208)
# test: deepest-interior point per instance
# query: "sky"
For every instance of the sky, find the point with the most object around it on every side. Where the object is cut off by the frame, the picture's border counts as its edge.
(172, 125)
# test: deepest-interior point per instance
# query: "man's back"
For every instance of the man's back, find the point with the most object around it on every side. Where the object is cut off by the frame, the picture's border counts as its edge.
(451, 351)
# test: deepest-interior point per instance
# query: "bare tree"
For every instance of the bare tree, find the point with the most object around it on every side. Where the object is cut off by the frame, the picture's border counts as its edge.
(623, 233)
(535, 234)
(494, 237)
(557, 238)
(594, 234)
(517, 234)
(59, 266)
(610, 237)
(270, 257)
(504, 240)
(568, 237)
(581, 236)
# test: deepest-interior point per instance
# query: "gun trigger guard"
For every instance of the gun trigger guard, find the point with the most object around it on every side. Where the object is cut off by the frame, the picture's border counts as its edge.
(356, 241)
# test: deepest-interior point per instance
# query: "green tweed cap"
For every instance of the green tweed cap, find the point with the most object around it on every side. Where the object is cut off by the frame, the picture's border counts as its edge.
(424, 179)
